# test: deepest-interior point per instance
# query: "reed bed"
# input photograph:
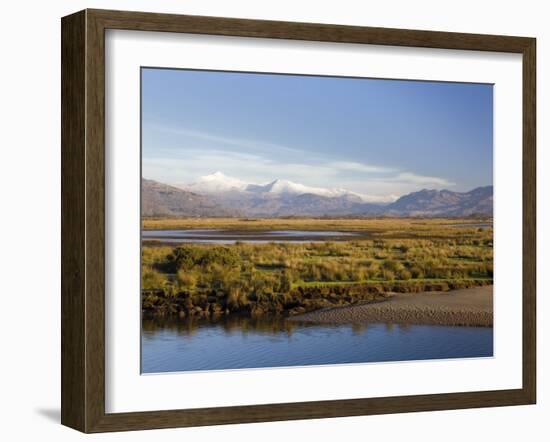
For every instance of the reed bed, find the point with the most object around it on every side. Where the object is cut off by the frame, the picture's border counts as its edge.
(403, 256)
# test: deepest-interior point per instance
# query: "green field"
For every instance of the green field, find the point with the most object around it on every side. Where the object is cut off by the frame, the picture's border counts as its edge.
(409, 255)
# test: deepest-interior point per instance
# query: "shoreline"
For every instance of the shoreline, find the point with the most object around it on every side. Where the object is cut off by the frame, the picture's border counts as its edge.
(464, 307)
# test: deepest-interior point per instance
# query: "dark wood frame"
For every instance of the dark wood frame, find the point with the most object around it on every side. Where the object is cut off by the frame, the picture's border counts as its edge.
(83, 216)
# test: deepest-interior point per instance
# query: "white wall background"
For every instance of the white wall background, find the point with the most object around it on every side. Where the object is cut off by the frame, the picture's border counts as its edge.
(30, 217)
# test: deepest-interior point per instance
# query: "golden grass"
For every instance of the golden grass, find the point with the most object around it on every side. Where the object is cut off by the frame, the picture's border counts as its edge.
(373, 225)
(398, 254)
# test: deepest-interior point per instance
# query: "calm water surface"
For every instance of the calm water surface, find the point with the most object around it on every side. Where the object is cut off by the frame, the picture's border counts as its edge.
(241, 342)
(246, 236)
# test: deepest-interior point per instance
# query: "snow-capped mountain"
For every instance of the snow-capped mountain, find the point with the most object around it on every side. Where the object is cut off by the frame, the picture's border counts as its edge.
(215, 183)
(219, 182)
(278, 198)
(220, 195)
(289, 187)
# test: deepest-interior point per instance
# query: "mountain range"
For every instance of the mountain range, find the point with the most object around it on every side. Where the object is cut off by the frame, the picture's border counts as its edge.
(478, 201)
(220, 195)
(218, 182)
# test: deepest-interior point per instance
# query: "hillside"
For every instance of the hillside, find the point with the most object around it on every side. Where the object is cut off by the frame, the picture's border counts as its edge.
(159, 199)
(426, 202)
(219, 195)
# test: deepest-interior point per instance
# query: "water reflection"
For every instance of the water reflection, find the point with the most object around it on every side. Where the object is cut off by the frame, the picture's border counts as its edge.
(233, 341)
(266, 324)
(228, 323)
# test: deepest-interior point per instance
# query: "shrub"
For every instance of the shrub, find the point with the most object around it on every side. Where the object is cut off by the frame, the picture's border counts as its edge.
(186, 279)
(392, 265)
(187, 257)
(184, 257)
(416, 272)
(405, 275)
(225, 256)
(152, 279)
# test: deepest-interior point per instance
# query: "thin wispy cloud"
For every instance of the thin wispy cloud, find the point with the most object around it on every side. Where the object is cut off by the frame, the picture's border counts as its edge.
(192, 153)
(188, 164)
(224, 140)
(360, 167)
(408, 177)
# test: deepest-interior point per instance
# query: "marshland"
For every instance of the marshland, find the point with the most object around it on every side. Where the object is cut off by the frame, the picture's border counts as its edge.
(233, 298)
(372, 259)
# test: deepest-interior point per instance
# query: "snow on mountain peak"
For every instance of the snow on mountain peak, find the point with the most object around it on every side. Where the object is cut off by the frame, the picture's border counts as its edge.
(289, 187)
(219, 182)
(286, 186)
(216, 182)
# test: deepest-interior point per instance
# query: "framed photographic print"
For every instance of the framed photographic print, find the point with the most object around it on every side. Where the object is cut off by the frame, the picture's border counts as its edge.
(271, 220)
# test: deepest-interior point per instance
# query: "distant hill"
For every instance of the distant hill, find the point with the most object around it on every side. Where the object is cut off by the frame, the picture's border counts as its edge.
(426, 202)
(220, 195)
(294, 204)
(159, 199)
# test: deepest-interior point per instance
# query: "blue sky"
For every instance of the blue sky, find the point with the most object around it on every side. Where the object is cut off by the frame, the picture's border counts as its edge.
(375, 137)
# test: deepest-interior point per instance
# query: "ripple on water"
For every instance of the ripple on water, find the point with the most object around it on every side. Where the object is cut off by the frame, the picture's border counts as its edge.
(188, 345)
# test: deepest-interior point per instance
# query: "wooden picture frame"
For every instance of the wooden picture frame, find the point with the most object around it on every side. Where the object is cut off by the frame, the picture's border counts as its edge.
(83, 220)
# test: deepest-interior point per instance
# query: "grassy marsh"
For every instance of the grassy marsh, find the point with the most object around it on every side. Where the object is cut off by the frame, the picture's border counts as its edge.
(398, 255)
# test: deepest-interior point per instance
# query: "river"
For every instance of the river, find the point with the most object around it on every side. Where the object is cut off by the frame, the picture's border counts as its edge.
(241, 342)
(246, 236)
